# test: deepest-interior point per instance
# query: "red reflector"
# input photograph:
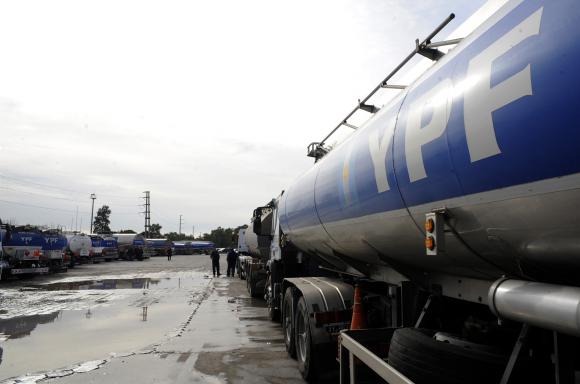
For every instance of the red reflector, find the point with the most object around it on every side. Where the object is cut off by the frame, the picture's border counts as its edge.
(322, 318)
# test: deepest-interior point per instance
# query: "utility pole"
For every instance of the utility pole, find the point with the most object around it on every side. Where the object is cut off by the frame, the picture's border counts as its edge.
(93, 197)
(180, 222)
(193, 231)
(147, 213)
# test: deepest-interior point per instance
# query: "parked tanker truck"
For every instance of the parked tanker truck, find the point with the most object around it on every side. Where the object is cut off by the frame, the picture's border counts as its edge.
(131, 246)
(53, 251)
(79, 248)
(110, 251)
(97, 247)
(21, 252)
(246, 253)
(447, 227)
(159, 247)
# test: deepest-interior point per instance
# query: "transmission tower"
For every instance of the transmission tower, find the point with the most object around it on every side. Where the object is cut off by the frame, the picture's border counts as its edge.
(147, 213)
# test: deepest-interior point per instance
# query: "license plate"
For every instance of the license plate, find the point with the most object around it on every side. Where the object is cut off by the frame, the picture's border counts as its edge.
(29, 270)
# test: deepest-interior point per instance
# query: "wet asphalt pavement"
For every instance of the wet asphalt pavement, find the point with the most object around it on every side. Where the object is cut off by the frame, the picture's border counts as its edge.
(149, 322)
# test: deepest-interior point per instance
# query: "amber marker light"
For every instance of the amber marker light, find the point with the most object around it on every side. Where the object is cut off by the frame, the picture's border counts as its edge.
(429, 225)
(430, 243)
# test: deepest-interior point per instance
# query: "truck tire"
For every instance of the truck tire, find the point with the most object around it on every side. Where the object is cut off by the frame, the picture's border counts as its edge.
(416, 354)
(249, 284)
(273, 312)
(253, 290)
(252, 285)
(288, 322)
(303, 341)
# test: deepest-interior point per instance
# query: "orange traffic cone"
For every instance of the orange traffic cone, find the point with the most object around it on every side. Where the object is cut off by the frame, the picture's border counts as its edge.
(358, 317)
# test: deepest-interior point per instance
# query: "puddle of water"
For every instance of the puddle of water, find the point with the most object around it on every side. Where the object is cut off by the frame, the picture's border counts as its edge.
(249, 318)
(69, 322)
(137, 283)
(19, 327)
(267, 341)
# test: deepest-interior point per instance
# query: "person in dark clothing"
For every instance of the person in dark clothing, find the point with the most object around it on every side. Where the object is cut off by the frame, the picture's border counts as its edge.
(215, 262)
(232, 258)
(169, 254)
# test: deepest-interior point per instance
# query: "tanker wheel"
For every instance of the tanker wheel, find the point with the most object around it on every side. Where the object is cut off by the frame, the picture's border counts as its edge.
(248, 284)
(288, 322)
(253, 290)
(416, 354)
(252, 286)
(273, 313)
(303, 340)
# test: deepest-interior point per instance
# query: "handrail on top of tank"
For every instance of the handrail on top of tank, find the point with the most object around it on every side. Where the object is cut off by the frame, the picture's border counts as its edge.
(425, 48)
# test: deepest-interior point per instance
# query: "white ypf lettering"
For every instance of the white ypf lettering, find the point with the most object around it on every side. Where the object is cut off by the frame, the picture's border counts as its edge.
(379, 149)
(439, 100)
(481, 99)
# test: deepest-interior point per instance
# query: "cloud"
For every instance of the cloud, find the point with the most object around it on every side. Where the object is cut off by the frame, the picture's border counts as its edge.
(209, 105)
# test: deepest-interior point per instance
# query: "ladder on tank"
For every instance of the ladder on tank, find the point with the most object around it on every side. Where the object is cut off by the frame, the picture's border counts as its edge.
(425, 48)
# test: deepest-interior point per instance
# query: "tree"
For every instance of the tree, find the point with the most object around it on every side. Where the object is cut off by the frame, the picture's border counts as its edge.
(101, 223)
(174, 236)
(127, 231)
(221, 237)
(154, 232)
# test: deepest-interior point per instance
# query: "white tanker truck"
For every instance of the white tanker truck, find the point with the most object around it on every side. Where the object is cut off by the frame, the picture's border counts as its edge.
(79, 248)
(454, 209)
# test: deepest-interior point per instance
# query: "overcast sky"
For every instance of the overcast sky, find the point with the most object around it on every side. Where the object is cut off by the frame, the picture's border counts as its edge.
(207, 104)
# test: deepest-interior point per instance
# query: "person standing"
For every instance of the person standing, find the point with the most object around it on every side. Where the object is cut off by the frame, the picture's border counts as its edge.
(215, 262)
(232, 258)
(169, 254)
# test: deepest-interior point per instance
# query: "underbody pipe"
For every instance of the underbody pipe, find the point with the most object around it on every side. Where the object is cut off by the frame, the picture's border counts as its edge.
(549, 306)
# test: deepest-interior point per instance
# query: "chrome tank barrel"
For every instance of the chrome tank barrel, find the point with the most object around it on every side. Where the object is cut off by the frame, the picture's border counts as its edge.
(252, 241)
(490, 133)
(548, 306)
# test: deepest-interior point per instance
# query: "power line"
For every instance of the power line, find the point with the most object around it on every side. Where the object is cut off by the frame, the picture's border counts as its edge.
(41, 207)
(38, 194)
(39, 184)
(124, 213)
(25, 181)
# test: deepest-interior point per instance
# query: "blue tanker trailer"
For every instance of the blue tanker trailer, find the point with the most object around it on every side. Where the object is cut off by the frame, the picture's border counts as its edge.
(21, 252)
(454, 209)
(110, 251)
(53, 251)
(97, 247)
(191, 247)
(159, 247)
(200, 246)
